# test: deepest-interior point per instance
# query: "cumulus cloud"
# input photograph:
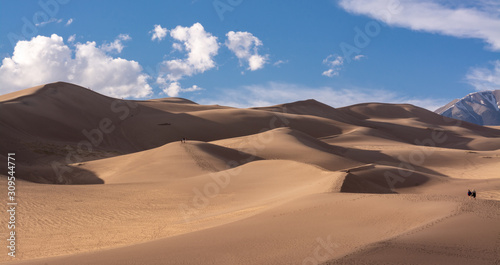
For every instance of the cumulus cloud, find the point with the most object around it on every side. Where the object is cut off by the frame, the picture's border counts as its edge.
(173, 89)
(159, 33)
(48, 59)
(483, 78)
(245, 46)
(200, 48)
(334, 63)
(462, 19)
(115, 46)
(273, 93)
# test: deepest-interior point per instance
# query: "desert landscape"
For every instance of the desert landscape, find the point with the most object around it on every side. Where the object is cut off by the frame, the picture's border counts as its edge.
(101, 180)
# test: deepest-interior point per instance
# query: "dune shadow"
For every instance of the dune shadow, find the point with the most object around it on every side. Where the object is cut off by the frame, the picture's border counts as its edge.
(63, 174)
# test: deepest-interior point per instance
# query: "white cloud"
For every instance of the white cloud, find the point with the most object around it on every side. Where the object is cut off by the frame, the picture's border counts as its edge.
(159, 33)
(462, 19)
(256, 62)
(72, 38)
(173, 89)
(48, 59)
(358, 57)
(69, 22)
(245, 46)
(334, 63)
(124, 37)
(279, 62)
(200, 46)
(273, 93)
(177, 46)
(52, 20)
(116, 45)
(330, 73)
(484, 78)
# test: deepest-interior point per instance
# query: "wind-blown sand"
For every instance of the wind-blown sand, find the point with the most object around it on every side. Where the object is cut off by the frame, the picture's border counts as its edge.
(298, 183)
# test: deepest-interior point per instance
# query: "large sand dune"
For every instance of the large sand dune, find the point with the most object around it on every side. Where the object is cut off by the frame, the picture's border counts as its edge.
(297, 183)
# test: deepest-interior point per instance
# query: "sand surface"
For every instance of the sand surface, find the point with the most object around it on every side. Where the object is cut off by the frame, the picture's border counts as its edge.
(298, 183)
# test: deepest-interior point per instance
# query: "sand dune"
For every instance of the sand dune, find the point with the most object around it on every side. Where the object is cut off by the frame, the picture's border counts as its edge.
(289, 144)
(296, 183)
(177, 105)
(416, 125)
(66, 119)
(313, 108)
(174, 160)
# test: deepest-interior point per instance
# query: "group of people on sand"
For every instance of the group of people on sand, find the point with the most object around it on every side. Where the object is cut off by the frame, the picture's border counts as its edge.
(472, 194)
(183, 140)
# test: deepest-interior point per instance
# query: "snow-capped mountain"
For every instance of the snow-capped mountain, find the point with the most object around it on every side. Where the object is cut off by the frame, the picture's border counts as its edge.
(480, 108)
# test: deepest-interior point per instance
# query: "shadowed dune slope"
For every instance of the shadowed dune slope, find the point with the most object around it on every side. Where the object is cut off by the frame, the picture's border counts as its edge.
(364, 136)
(173, 160)
(354, 184)
(415, 125)
(392, 178)
(289, 144)
(313, 108)
(177, 105)
(57, 111)
(384, 111)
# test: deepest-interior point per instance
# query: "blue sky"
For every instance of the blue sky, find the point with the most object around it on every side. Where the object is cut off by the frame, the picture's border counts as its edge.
(253, 53)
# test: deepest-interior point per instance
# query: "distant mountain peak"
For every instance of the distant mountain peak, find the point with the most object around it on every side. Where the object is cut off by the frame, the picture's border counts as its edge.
(481, 108)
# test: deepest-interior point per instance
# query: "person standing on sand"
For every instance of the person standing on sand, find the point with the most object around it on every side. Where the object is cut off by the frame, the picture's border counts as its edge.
(469, 193)
(474, 194)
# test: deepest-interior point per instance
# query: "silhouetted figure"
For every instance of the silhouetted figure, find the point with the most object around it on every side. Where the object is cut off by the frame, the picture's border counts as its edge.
(474, 194)
(469, 193)
(183, 140)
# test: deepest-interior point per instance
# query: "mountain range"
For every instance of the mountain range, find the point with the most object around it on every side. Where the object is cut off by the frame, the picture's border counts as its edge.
(481, 108)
